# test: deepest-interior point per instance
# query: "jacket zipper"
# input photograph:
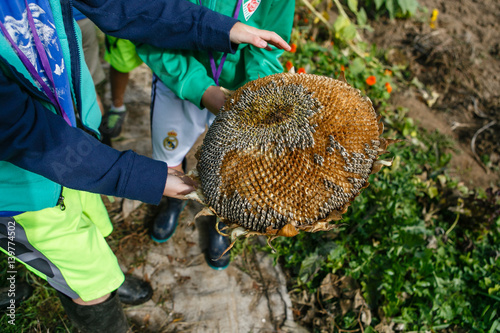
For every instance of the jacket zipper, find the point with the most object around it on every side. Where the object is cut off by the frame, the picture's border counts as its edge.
(60, 201)
(67, 14)
(74, 51)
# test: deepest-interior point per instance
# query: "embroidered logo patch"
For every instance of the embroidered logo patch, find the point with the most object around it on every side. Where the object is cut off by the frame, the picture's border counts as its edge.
(171, 142)
(249, 7)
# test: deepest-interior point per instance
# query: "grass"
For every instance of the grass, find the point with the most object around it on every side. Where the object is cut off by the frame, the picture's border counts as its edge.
(42, 312)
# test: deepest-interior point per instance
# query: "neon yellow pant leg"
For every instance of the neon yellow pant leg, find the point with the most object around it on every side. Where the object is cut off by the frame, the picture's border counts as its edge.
(68, 248)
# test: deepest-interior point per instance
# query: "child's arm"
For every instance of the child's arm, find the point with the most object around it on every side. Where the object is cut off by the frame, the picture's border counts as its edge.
(36, 139)
(180, 71)
(163, 23)
(174, 24)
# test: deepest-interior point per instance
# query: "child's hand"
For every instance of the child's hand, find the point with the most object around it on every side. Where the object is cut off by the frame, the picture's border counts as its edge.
(213, 99)
(178, 184)
(242, 33)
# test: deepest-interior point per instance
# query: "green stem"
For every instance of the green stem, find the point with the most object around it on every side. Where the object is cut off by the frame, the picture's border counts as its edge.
(453, 225)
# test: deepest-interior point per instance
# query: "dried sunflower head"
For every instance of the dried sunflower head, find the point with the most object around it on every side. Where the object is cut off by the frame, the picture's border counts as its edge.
(289, 152)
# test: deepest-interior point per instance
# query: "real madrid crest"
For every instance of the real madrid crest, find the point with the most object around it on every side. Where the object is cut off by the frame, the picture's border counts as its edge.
(171, 142)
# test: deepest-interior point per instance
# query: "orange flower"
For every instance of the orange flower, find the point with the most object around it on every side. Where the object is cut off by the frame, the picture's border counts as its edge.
(371, 80)
(294, 47)
(342, 68)
(388, 87)
(312, 38)
(388, 72)
(306, 20)
(301, 70)
(288, 65)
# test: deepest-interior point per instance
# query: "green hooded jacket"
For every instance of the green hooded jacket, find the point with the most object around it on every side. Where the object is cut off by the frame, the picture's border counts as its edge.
(188, 73)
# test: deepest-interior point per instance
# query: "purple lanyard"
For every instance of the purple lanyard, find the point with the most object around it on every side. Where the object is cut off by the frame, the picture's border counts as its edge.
(216, 71)
(51, 94)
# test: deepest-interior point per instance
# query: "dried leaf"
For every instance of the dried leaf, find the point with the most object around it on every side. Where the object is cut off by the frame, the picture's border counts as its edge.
(128, 206)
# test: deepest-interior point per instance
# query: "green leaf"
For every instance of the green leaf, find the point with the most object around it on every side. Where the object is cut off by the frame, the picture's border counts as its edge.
(493, 314)
(349, 32)
(389, 5)
(378, 4)
(369, 329)
(309, 266)
(446, 312)
(344, 29)
(340, 23)
(403, 4)
(353, 5)
(495, 326)
(357, 67)
(432, 192)
(361, 17)
(411, 6)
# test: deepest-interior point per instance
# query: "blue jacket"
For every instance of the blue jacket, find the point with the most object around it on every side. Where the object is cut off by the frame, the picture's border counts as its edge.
(39, 152)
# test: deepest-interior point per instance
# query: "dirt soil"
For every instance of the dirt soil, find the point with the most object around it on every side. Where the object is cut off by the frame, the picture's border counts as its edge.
(455, 70)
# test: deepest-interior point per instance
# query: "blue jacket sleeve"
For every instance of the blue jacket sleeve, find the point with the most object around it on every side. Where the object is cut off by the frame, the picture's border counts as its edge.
(171, 24)
(37, 140)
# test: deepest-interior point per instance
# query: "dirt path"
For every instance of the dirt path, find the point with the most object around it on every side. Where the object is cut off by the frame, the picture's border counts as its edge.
(249, 296)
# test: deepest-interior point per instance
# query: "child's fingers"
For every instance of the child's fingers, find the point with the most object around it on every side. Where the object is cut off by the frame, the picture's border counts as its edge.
(275, 40)
(263, 38)
(178, 185)
(242, 33)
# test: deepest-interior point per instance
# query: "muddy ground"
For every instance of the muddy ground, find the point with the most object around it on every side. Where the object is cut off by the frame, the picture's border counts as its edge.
(454, 79)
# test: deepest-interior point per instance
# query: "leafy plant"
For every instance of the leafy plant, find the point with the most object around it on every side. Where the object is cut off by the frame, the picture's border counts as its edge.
(420, 245)
(329, 60)
(416, 265)
(395, 8)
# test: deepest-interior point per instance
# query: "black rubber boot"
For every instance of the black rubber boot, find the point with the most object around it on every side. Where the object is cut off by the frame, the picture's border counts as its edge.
(14, 294)
(105, 317)
(217, 244)
(167, 220)
(134, 291)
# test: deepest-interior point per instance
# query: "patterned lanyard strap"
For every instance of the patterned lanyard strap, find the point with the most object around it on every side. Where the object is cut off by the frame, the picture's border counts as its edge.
(217, 70)
(51, 93)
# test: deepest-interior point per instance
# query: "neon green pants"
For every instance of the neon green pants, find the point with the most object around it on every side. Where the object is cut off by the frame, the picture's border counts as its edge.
(121, 54)
(66, 247)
